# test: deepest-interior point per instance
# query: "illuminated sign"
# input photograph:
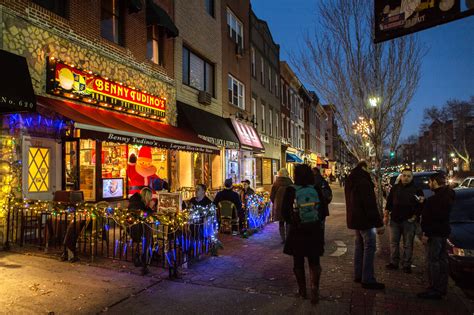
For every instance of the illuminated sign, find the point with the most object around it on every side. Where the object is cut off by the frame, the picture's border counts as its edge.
(71, 82)
(247, 134)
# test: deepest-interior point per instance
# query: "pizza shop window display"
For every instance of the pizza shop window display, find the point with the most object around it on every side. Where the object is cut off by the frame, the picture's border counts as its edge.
(87, 169)
(114, 169)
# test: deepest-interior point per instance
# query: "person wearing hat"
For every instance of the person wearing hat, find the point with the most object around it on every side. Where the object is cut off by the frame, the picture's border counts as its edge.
(228, 194)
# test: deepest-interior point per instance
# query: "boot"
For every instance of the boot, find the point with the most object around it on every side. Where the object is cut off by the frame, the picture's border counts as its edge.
(301, 280)
(315, 276)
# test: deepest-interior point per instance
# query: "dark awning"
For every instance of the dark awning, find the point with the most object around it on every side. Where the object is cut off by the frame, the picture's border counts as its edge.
(155, 15)
(106, 125)
(16, 90)
(210, 127)
(293, 158)
(248, 136)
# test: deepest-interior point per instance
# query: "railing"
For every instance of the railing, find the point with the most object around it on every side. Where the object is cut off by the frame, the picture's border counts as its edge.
(96, 232)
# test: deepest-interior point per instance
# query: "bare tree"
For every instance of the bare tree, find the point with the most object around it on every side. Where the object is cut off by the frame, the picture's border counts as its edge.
(343, 64)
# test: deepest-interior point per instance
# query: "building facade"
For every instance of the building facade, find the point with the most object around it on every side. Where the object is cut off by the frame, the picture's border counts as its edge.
(265, 98)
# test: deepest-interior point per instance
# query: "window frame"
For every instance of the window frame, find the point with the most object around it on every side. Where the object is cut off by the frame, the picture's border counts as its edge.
(240, 88)
(262, 71)
(159, 40)
(120, 16)
(270, 122)
(253, 62)
(234, 21)
(206, 63)
(60, 7)
(210, 7)
(263, 118)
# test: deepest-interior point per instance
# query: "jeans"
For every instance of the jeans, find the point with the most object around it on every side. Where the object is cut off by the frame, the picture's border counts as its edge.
(364, 255)
(437, 264)
(397, 230)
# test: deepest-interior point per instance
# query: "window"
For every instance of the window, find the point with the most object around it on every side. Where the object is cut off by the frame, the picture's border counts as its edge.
(263, 118)
(197, 72)
(277, 90)
(38, 169)
(57, 6)
(209, 7)
(262, 71)
(155, 42)
(111, 21)
(270, 87)
(276, 125)
(254, 109)
(236, 92)
(236, 28)
(270, 122)
(252, 52)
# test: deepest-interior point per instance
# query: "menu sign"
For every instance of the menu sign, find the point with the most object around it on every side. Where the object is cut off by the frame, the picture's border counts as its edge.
(69, 81)
(395, 18)
(247, 135)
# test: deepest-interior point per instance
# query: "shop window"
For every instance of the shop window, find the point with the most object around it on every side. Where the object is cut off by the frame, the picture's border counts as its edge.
(57, 6)
(236, 28)
(236, 92)
(111, 20)
(267, 172)
(197, 72)
(155, 44)
(38, 169)
(209, 7)
(71, 165)
(258, 172)
(233, 171)
(275, 168)
(114, 159)
(217, 180)
(87, 168)
(185, 177)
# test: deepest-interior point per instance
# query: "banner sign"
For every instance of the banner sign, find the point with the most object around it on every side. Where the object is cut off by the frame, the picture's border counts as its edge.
(247, 134)
(137, 140)
(71, 82)
(395, 18)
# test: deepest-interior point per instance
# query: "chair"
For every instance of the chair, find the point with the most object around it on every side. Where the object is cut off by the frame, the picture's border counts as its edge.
(228, 216)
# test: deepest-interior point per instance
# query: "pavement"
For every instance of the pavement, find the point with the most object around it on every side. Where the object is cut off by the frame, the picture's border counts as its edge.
(249, 276)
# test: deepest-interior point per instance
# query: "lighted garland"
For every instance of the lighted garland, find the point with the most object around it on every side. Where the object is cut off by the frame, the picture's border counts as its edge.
(258, 209)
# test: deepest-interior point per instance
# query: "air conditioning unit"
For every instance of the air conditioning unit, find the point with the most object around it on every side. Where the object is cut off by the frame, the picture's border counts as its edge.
(204, 98)
(239, 51)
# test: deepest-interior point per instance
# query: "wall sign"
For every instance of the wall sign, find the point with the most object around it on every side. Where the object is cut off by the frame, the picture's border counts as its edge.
(247, 134)
(69, 81)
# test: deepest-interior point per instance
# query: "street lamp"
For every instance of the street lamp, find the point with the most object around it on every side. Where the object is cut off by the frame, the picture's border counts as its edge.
(434, 159)
(373, 101)
(424, 161)
(452, 154)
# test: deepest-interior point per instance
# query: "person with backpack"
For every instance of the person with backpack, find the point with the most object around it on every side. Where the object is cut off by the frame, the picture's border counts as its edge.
(300, 209)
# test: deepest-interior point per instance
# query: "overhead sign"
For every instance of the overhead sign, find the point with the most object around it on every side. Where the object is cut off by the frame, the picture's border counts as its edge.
(71, 82)
(247, 134)
(395, 18)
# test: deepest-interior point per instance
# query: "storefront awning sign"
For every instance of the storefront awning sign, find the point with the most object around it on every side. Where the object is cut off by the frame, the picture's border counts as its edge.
(70, 82)
(293, 158)
(247, 135)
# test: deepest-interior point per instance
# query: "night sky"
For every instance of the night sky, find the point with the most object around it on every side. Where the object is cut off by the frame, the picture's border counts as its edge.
(447, 69)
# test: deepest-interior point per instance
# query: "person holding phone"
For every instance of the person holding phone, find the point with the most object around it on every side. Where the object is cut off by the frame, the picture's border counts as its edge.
(401, 213)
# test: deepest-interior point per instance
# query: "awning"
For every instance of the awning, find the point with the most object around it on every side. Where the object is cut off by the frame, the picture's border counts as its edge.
(106, 125)
(155, 15)
(209, 127)
(321, 161)
(248, 136)
(16, 90)
(293, 158)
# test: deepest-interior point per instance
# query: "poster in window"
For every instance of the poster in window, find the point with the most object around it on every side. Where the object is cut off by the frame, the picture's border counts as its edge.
(169, 202)
(112, 188)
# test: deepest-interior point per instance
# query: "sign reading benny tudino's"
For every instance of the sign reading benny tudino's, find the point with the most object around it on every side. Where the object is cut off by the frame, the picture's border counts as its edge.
(74, 83)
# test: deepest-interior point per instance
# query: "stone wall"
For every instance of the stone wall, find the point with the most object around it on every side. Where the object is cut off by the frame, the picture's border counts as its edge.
(36, 42)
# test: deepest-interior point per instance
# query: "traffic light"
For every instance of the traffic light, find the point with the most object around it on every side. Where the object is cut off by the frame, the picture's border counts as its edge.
(392, 154)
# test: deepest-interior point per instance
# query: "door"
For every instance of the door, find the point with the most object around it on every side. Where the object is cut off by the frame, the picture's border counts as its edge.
(40, 168)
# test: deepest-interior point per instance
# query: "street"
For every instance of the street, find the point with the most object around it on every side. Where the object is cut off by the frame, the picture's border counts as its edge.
(249, 275)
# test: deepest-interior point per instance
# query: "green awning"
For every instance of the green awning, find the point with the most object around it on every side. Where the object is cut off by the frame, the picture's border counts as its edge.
(155, 15)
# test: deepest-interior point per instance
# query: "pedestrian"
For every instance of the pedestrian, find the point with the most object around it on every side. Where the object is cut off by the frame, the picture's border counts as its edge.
(300, 209)
(363, 217)
(436, 229)
(282, 182)
(402, 210)
(228, 194)
(246, 191)
(325, 195)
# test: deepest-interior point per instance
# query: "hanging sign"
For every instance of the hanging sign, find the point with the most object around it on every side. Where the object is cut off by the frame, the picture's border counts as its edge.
(69, 81)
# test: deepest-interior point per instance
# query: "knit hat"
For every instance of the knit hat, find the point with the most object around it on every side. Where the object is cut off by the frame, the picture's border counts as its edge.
(228, 183)
(283, 172)
(145, 153)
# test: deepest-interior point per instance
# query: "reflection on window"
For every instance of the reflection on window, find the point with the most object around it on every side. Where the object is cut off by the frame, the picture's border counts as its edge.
(38, 169)
(154, 45)
(70, 162)
(87, 158)
(111, 21)
(197, 72)
(209, 7)
(236, 92)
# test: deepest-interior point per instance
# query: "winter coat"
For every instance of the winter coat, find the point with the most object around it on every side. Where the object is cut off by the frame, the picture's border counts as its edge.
(436, 211)
(303, 239)
(402, 203)
(276, 195)
(361, 205)
(323, 187)
(230, 195)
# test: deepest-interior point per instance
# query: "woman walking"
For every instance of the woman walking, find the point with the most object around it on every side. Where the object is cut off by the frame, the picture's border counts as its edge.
(282, 182)
(305, 238)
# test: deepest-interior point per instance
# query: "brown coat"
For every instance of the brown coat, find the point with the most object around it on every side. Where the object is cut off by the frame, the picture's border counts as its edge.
(276, 196)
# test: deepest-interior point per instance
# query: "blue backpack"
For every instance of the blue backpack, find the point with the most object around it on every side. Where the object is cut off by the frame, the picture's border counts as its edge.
(306, 204)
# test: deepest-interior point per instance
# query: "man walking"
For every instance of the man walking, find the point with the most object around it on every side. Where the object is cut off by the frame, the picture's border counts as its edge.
(436, 229)
(402, 208)
(363, 217)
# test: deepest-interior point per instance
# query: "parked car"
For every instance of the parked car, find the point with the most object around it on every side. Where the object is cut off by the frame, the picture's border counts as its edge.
(461, 240)
(468, 182)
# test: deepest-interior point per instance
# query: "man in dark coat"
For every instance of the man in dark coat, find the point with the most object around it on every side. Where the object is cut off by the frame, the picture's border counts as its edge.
(403, 208)
(282, 182)
(363, 217)
(230, 195)
(436, 229)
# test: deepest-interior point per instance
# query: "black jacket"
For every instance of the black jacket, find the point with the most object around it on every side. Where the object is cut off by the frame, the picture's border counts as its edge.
(402, 203)
(324, 192)
(361, 205)
(230, 195)
(435, 213)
